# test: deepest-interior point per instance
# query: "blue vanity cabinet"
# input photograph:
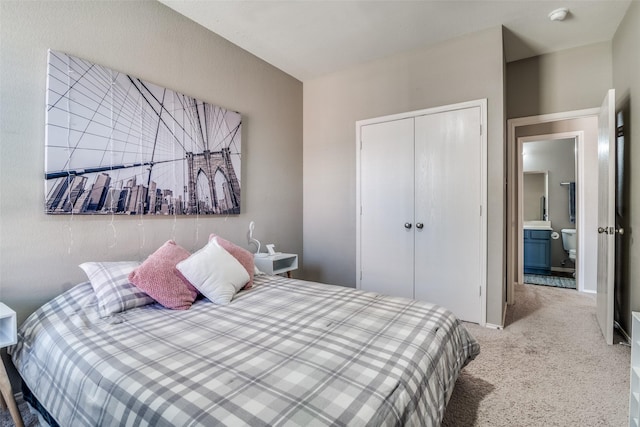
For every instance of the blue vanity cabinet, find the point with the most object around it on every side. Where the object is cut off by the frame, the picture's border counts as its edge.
(537, 251)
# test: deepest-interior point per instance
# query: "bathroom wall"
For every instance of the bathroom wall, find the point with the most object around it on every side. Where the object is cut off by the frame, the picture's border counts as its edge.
(534, 187)
(558, 158)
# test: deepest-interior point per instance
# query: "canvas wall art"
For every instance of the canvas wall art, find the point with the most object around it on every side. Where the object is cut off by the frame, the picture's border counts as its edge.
(116, 144)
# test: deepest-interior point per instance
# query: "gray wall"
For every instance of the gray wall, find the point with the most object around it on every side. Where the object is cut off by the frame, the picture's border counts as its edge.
(571, 79)
(559, 159)
(39, 254)
(568, 80)
(534, 195)
(458, 70)
(626, 81)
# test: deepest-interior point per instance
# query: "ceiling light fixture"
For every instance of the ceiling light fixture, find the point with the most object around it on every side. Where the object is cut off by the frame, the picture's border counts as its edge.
(559, 14)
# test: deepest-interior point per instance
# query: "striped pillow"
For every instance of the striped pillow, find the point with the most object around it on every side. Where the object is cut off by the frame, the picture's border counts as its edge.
(111, 285)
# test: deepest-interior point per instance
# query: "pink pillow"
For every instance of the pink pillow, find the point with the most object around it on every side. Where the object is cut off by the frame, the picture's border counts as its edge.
(242, 255)
(157, 278)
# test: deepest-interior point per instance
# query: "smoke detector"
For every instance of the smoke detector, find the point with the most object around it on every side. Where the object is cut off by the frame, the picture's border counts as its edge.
(559, 14)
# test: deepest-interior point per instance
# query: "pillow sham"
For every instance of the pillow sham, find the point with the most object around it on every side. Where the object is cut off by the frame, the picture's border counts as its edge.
(214, 272)
(243, 256)
(156, 276)
(114, 292)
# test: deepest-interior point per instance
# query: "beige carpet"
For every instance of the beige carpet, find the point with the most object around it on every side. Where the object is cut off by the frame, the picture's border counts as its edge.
(29, 419)
(548, 367)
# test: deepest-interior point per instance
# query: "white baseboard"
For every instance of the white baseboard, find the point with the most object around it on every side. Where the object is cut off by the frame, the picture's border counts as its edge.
(504, 316)
(492, 326)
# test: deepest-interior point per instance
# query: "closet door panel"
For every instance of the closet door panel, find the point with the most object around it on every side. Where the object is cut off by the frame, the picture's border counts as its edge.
(447, 203)
(386, 191)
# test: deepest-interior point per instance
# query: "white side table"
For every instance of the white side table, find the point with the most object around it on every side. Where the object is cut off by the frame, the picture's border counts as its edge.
(8, 336)
(277, 264)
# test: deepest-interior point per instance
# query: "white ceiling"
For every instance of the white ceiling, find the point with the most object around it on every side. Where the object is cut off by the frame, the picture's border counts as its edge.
(310, 38)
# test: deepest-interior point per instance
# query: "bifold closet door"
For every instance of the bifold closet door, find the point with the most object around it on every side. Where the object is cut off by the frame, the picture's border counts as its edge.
(386, 193)
(448, 200)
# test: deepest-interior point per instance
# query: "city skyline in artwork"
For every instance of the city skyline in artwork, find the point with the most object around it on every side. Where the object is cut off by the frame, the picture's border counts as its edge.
(116, 144)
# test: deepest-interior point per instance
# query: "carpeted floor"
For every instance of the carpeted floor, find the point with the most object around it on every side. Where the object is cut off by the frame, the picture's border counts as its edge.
(548, 367)
(29, 419)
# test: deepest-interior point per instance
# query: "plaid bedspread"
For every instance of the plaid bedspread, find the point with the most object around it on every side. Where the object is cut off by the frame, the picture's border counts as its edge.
(286, 353)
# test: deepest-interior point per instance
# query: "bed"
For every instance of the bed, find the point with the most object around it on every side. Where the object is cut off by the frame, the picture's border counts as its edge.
(286, 352)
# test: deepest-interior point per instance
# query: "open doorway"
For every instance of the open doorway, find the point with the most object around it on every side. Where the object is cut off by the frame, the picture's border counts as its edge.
(582, 127)
(548, 206)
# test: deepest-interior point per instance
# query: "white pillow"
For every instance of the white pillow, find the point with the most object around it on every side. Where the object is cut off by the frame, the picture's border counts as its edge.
(214, 272)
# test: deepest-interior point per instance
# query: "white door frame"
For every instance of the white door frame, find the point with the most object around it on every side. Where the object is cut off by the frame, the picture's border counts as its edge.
(513, 214)
(480, 103)
(578, 136)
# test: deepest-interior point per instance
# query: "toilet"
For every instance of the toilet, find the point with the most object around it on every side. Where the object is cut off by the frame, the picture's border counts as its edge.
(569, 242)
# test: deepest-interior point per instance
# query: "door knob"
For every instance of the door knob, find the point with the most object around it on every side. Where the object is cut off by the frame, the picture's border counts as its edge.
(419, 225)
(610, 230)
(407, 225)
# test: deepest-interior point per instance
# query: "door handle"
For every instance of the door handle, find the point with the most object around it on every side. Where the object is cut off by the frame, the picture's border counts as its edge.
(419, 225)
(407, 225)
(610, 230)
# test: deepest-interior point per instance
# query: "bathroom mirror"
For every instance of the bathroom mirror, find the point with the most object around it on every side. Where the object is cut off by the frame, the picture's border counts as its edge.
(535, 196)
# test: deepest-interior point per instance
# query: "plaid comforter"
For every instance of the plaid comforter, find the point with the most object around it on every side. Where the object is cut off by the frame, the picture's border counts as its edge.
(286, 353)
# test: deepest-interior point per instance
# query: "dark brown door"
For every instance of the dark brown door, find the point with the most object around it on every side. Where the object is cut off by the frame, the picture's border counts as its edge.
(622, 309)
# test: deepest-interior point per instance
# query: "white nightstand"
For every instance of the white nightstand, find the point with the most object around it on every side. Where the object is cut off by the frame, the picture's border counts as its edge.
(8, 336)
(277, 264)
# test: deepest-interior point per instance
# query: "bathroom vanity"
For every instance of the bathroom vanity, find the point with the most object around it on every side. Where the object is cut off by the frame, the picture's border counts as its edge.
(537, 247)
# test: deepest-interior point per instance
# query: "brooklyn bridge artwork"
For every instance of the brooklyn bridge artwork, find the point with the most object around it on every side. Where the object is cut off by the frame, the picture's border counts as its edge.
(116, 144)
